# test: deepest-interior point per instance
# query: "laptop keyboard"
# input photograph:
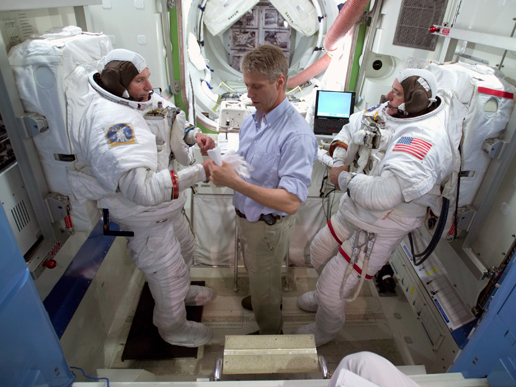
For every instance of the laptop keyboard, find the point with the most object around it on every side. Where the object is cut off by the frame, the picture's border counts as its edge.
(329, 126)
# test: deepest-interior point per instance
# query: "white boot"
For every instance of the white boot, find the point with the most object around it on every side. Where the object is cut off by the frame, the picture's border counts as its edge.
(308, 302)
(199, 295)
(311, 329)
(190, 334)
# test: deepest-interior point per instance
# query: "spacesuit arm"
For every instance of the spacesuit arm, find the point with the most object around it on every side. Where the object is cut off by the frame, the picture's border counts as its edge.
(183, 136)
(148, 188)
(86, 187)
(343, 149)
(339, 155)
(378, 193)
(179, 147)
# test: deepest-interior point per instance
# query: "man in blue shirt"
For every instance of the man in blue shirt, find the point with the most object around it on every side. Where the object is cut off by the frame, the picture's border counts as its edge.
(278, 143)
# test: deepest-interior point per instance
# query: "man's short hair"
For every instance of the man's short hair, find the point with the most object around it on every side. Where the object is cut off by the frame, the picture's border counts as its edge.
(268, 60)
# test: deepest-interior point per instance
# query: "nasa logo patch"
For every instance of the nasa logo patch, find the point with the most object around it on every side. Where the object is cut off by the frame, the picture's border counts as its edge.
(373, 108)
(120, 134)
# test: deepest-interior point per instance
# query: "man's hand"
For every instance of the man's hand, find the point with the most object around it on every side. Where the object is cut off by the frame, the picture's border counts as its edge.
(205, 143)
(223, 176)
(334, 175)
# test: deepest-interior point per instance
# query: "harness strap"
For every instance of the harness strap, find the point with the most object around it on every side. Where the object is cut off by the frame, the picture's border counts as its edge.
(355, 266)
(330, 226)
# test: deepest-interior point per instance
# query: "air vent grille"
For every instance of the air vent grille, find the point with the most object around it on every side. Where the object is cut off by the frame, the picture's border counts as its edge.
(414, 21)
(20, 215)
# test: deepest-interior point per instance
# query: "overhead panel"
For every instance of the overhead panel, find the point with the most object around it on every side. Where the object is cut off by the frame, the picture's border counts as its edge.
(261, 25)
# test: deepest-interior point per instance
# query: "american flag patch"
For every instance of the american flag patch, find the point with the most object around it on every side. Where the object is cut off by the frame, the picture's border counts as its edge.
(415, 146)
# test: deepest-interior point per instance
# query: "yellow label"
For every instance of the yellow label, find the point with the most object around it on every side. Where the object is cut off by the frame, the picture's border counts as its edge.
(432, 271)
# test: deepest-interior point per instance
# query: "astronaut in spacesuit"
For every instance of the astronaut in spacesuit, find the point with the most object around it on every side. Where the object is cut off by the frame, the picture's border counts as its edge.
(124, 163)
(391, 161)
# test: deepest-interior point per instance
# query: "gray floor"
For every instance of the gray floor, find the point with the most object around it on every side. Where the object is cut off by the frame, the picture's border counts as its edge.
(366, 329)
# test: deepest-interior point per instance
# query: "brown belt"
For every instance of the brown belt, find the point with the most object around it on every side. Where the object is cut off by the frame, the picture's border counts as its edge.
(265, 218)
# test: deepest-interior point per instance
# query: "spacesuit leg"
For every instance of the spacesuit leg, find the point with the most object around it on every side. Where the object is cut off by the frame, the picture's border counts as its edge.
(322, 249)
(330, 315)
(157, 253)
(196, 295)
(373, 368)
(185, 237)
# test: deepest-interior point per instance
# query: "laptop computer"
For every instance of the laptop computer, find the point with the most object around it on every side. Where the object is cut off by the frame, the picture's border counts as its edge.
(332, 111)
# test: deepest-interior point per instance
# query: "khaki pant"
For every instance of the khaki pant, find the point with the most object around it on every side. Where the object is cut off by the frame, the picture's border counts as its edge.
(264, 248)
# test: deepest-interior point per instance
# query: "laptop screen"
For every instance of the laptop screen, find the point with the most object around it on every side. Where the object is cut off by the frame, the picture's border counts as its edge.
(332, 110)
(335, 104)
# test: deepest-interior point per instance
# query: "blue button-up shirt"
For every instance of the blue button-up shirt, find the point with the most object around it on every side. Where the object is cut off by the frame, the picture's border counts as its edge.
(282, 153)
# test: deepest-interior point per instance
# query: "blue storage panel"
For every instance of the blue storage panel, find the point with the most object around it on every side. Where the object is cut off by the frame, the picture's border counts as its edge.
(503, 373)
(491, 350)
(30, 352)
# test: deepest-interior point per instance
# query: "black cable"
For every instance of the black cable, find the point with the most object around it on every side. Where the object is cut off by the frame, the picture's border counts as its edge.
(332, 191)
(321, 192)
(321, 188)
(331, 202)
(435, 238)
(200, 24)
(323, 195)
(456, 213)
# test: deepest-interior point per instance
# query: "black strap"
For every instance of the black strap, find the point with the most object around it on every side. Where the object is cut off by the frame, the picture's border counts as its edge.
(109, 232)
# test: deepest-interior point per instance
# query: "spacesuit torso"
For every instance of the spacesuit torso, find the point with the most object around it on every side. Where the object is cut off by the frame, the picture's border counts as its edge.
(420, 152)
(114, 138)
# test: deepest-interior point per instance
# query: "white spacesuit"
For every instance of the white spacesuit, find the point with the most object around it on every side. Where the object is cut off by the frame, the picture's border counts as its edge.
(398, 180)
(367, 369)
(124, 163)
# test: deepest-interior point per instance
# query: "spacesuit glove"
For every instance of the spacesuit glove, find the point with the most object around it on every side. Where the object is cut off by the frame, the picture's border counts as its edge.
(237, 162)
(324, 158)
